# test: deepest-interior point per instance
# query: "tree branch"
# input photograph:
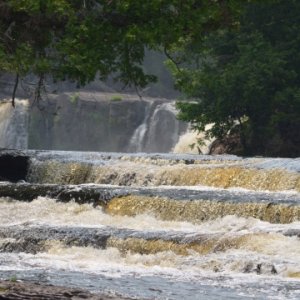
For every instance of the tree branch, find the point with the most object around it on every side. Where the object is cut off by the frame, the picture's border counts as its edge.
(168, 55)
(15, 89)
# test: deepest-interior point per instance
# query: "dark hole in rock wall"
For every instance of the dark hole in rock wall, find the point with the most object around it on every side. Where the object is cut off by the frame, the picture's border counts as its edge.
(13, 167)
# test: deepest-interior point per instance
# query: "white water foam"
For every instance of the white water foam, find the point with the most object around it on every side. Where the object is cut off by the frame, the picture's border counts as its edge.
(50, 212)
(193, 142)
(263, 246)
(113, 263)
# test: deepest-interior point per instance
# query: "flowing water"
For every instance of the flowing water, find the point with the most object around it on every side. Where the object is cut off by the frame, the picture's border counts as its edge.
(158, 117)
(155, 226)
(91, 122)
(194, 142)
(13, 124)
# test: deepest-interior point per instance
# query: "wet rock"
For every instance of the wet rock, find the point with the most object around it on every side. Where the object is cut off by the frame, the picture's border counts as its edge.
(28, 192)
(127, 179)
(23, 245)
(265, 269)
(13, 165)
(292, 232)
(261, 268)
(33, 239)
(64, 193)
(229, 144)
(21, 290)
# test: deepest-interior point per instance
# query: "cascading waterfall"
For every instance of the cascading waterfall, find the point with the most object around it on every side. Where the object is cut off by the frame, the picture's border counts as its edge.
(193, 142)
(84, 124)
(136, 142)
(165, 169)
(154, 225)
(159, 131)
(163, 128)
(14, 124)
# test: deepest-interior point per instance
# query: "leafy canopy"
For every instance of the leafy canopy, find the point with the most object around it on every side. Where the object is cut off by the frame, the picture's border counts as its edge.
(77, 39)
(248, 80)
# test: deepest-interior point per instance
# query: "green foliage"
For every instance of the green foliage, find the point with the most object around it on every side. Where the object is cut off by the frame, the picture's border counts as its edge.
(74, 98)
(248, 80)
(78, 39)
(116, 98)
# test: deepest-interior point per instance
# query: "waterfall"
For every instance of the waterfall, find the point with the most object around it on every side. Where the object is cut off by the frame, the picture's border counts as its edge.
(137, 140)
(163, 129)
(159, 131)
(99, 124)
(165, 169)
(14, 125)
(193, 142)
(152, 226)
(127, 126)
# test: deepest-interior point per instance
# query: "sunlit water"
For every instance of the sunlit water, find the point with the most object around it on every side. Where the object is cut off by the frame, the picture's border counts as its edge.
(227, 272)
(172, 226)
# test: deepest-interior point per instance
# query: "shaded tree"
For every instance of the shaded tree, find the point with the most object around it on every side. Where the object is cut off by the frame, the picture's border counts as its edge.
(247, 80)
(77, 39)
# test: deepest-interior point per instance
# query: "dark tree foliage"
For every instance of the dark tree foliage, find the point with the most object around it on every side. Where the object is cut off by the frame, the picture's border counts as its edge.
(77, 39)
(247, 80)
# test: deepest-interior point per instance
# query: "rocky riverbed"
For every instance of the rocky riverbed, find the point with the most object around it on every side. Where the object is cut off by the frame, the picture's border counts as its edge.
(25, 290)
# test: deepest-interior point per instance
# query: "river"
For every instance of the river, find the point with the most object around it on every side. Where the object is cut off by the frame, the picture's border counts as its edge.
(152, 226)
